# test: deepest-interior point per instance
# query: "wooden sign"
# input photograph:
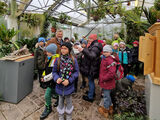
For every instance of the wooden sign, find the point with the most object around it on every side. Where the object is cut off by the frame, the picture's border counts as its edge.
(141, 42)
(149, 53)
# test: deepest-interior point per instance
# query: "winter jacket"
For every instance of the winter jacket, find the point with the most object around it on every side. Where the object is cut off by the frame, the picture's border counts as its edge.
(39, 59)
(58, 43)
(125, 56)
(91, 60)
(107, 73)
(60, 88)
(48, 70)
(134, 52)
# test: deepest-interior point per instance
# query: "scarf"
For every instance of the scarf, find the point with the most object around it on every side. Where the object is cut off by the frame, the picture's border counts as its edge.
(66, 66)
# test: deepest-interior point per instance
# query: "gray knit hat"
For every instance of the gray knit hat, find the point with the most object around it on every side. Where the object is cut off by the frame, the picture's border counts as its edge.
(51, 48)
(107, 48)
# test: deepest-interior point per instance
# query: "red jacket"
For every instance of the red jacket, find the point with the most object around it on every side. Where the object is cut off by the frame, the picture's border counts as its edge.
(107, 75)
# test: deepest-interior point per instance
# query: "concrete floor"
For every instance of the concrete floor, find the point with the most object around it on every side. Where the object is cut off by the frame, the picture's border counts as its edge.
(32, 106)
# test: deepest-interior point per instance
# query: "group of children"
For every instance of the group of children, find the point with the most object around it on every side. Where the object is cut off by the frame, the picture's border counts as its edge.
(58, 73)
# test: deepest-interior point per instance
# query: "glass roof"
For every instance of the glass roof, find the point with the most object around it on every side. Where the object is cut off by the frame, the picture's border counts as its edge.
(72, 9)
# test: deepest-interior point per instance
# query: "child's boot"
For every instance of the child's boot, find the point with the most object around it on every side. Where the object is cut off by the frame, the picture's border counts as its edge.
(103, 111)
(111, 110)
(61, 116)
(69, 116)
(46, 112)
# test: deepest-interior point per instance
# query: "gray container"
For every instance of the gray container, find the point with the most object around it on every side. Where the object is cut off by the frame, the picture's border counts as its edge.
(16, 79)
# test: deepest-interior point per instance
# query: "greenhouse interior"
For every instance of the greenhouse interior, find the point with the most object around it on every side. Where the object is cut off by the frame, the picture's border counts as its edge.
(79, 59)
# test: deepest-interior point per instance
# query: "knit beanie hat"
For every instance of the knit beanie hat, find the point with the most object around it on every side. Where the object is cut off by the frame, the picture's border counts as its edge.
(41, 39)
(93, 36)
(136, 42)
(131, 78)
(51, 48)
(84, 42)
(68, 45)
(107, 48)
(76, 43)
(123, 43)
(115, 44)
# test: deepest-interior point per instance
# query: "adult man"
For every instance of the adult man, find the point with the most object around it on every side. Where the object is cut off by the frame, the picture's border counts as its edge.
(117, 39)
(57, 40)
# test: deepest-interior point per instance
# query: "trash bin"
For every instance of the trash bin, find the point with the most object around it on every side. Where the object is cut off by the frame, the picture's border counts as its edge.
(16, 79)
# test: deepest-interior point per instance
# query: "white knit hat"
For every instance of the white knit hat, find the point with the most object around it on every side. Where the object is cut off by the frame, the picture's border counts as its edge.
(123, 43)
(107, 48)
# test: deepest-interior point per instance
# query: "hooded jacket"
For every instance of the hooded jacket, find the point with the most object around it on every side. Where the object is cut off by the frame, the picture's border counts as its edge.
(107, 74)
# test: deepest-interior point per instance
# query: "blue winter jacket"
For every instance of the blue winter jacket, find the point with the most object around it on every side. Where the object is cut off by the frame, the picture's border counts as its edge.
(125, 56)
(60, 88)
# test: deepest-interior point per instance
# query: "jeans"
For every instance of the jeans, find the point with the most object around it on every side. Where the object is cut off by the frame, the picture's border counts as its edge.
(107, 98)
(91, 87)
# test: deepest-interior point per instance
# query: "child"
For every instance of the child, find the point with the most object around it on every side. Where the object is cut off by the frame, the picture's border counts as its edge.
(39, 58)
(125, 57)
(107, 79)
(48, 79)
(115, 48)
(65, 71)
(135, 61)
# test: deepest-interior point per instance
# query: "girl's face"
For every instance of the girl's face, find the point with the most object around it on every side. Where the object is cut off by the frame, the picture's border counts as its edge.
(106, 54)
(115, 47)
(49, 54)
(135, 45)
(64, 50)
(122, 46)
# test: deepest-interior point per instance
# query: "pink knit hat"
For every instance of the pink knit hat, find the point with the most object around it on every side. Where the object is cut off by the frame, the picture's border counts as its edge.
(93, 36)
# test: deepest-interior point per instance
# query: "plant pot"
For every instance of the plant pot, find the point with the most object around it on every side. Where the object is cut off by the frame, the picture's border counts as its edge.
(96, 18)
(53, 30)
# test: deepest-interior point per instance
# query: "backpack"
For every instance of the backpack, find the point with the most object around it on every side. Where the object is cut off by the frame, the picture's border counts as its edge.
(119, 70)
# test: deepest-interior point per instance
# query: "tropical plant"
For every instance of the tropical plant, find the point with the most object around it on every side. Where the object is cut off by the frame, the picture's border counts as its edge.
(157, 5)
(63, 18)
(29, 42)
(6, 43)
(3, 8)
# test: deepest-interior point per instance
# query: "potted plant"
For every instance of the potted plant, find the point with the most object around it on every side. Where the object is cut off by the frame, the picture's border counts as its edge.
(6, 35)
(54, 27)
(63, 18)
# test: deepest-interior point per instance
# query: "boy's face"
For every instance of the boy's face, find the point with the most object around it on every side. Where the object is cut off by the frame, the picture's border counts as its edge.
(41, 44)
(64, 50)
(83, 45)
(135, 45)
(106, 54)
(115, 47)
(49, 54)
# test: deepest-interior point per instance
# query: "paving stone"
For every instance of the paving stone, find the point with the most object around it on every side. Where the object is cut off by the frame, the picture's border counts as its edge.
(27, 107)
(39, 102)
(2, 117)
(35, 115)
(13, 114)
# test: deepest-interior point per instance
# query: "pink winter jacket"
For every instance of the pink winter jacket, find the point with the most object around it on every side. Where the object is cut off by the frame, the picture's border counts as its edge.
(107, 75)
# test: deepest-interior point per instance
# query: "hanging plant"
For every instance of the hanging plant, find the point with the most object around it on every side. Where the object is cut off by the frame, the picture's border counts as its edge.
(98, 14)
(32, 20)
(3, 8)
(54, 27)
(76, 36)
(63, 18)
